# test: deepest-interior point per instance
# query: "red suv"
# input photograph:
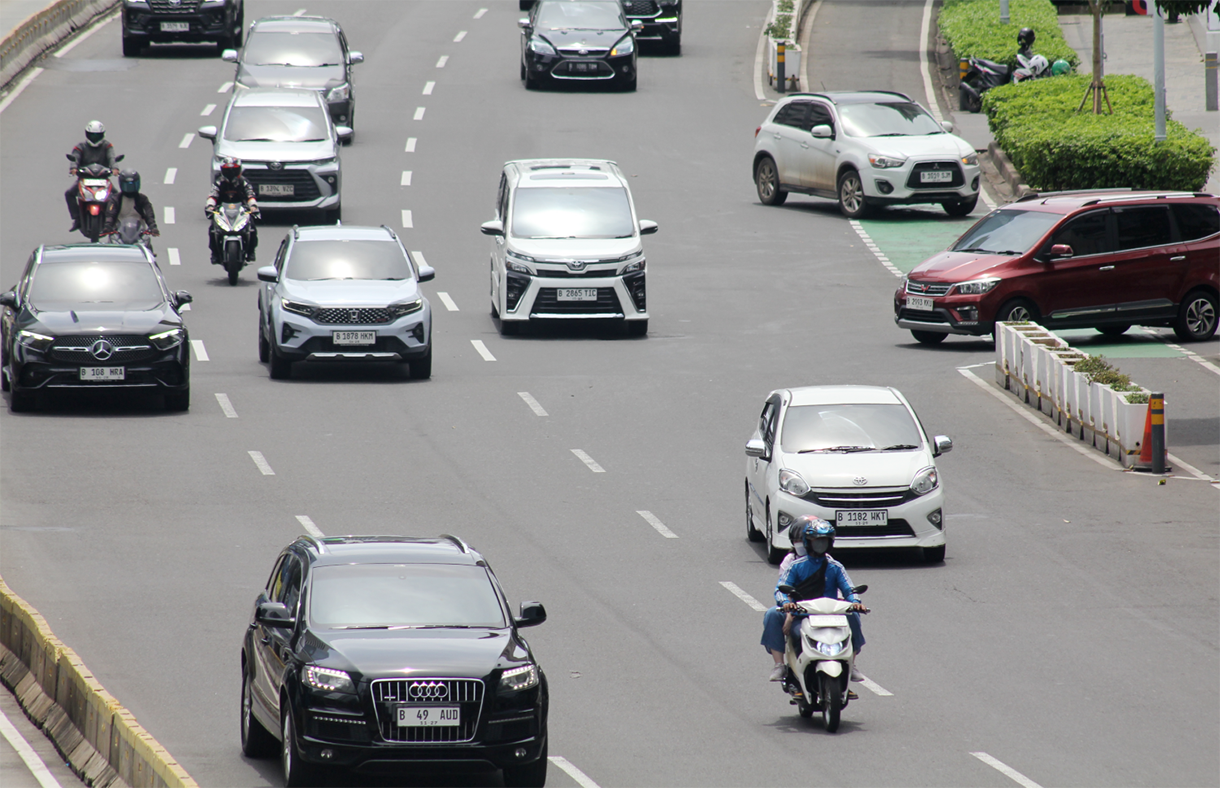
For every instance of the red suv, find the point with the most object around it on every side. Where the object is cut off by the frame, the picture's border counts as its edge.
(1103, 259)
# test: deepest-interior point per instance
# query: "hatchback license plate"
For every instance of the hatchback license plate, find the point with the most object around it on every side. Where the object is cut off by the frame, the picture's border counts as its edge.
(935, 176)
(276, 189)
(863, 517)
(175, 27)
(922, 304)
(577, 294)
(354, 337)
(428, 716)
(103, 373)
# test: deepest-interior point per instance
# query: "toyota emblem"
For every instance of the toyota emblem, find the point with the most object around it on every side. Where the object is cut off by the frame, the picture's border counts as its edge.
(859, 481)
(576, 265)
(428, 690)
(276, 165)
(102, 350)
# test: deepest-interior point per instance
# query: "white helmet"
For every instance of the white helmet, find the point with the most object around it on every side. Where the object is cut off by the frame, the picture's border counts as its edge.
(95, 133)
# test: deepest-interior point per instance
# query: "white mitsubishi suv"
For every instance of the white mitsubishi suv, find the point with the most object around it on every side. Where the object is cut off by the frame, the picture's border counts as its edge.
(566, 245)
(864, 149)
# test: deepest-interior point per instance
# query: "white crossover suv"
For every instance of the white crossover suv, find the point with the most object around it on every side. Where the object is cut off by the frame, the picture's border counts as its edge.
(857, 456)
(864, 149)
(566, 245)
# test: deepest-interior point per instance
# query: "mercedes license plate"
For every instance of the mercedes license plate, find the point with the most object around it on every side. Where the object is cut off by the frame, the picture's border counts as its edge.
(935, 176)
(862, 517)
(276, 189)
(175, 27)
(922, 304)
(428, 716)
(103, 373)
(354, 337)
(577, 294)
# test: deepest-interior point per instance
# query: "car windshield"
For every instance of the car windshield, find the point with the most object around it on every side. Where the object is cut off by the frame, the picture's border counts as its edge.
(849, 427)
(347, 259)
(1006, 232)
(276, 124)
(579, 16)
(381, 596)
(292, 49)
(891, 119)
(63, 286)
(572, 212)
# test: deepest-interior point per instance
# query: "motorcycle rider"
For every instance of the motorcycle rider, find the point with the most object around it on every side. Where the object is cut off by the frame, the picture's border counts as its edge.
(95, 149)
(231, 187)
(130, 201)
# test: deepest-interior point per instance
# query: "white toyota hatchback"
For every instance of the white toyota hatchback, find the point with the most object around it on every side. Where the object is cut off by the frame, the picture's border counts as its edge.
(857, 456)
(566, 245)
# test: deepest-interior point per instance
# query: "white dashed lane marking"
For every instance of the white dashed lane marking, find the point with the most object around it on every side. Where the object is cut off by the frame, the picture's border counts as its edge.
(186, 140)
(201, 353)
(447, 301)
(875, 688)
(428, 86)
(226, 406)
(580, 777)
(443, 60)
(419, 257)
(299, 12)
(407, 222)
(170, 174)
(174, 259)
(1006, 770)
(261, 462)
(406, 178)
(207, 110)
(736, 591)
(482, 349)
(458, 38)
(308, 525)
(419, 113)
(533, 403)
(169, 214)
(589, 461)
(479, 14)
(652, 520)
(410, 144)
(225, 88)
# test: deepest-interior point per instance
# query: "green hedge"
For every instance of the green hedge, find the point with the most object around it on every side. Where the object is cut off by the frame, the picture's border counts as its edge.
(1055, 147)
(973, 29)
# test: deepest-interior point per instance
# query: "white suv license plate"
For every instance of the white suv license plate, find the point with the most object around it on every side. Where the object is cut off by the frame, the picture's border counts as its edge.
(935, 176)
(103, 373)
(577, 294)
(354, 337)
(872, 517)
(277, 189)
(920, 303)
(428, 716)
(175, 27)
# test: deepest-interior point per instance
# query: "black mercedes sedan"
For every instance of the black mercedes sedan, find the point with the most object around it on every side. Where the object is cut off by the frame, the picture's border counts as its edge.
(578, 41)
(391, 655)
(92, 316)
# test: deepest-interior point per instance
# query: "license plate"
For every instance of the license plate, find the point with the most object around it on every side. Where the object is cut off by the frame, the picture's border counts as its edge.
(577, 294)
(922, 304)
(175, 27)
(935, 176)
(584, 67)
(863, 517)
(354, 337)
(276, 189)
(428, 716)
(103, 373)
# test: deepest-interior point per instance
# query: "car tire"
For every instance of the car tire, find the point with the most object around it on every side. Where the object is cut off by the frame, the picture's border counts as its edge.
(531, 83)
(178, 401)
(281, 368)
(928, 337)
(294, 770)
(264, 347)
(495, 313)
(774, 554)
(131, 47)
(421, 368)
(960, 207)
(851, 195)
(637, 328)
(675, 47)
(531, 775)
(5, 381)
(934, 555)
(1114, 331)
(766, 181)
(256, 741)
(1196, 317)
(508, 328)
(20, 401)
(752, 533)
(1017, 310)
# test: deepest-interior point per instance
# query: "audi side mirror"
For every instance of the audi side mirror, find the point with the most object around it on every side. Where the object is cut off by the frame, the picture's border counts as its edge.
(822, 132)
(182, 297)
(274, 614)
(943, 445)
(268, 274)
(756, 447)
(532, 614)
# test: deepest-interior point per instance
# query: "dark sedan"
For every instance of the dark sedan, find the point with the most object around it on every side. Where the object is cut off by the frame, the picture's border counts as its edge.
(85, 316)
(578, 41)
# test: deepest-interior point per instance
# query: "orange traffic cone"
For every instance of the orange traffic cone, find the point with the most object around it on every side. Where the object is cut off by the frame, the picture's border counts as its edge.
(1146, 444)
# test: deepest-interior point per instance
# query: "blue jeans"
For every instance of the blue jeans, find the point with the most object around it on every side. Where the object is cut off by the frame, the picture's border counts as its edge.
(773, 630)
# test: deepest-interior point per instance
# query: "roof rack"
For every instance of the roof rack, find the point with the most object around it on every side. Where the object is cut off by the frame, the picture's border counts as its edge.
(318, 544)
(465, 548)
(1069, 192)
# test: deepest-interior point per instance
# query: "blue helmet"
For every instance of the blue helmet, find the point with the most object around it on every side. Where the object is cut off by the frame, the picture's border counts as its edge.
(817, 535)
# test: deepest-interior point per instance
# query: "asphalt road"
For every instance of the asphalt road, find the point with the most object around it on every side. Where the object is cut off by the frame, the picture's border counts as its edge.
(1071, 633)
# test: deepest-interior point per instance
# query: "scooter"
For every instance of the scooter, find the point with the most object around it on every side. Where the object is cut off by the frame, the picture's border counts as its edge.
(231, 223)
(93, 190)
(820, 660)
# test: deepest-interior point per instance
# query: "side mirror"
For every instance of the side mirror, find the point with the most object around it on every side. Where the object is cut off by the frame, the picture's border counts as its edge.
(70, 157)
(494, 227)
(207, 132)
(355, 57)
(822, 132)
(274, 614)
(229, 56)
(267, 273)
(947, 125)
(183, 297)
(524, 23)
(784, 588)
(532, 614)
(860, 589)
(943, 445)
(755, 447)
(1060, 250)
(636, 25)
(9, 299)
(647, 227)
(426, 273)
(344, 133)
(120, 157)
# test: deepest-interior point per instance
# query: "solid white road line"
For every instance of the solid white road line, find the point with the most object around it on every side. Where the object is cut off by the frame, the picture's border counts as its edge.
(225, 88)
(447, 301)
(479, 14)
(1006, 770)
(1192, 470)
(226, 406)
(407, 222)
(174, 259)
(261, 462)
(419, 113)
(872, 247)
(428, 88)
(406, 178)
(533, 403)
(410, 144)
(580, 777)
(589, 461)
(441, 63)
(201, 353)
(186, 140)
(874, 687)
(1195, 357)
(169, 214)
(22, 85)
(924, 69)
(207, 110)
(170, 174)
(483, 351)
(90, 31)
(759, 54)
(807, 27)
(652, 520)
(309, 527)
(736, 591)
(458, 38)
(32, 761)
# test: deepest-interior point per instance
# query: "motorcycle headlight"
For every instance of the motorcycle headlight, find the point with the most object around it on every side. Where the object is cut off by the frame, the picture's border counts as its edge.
(341, 93)
(540, 47)
(925, 481)
(971, 159)
(625, 46)
(33, 340)
(406, 307)
(297, 308)
(830, 649)
(101, 192)
(519, 268)
(631, 268)
(167, 339)
(885, 162)
(792, 483)
(327, 679)
(520, 678)
(976, 286)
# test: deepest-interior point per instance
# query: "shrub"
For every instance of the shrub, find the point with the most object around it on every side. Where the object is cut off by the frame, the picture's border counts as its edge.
(1138, 398)
(972, 29)
(781, 28)
(1101, 371)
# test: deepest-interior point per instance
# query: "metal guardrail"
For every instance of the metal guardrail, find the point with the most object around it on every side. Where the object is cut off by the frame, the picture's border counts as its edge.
(43, 30)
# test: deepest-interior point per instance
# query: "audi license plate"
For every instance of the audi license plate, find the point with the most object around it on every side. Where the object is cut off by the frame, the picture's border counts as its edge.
(935, 176)
(102, 373)
(577, 294)
(863, 517)
(175, 27)
(276, 189)
(428, 716)
(354, 337)
(922, 304)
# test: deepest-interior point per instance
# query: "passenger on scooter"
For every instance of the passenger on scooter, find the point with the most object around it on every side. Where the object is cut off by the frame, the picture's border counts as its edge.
(231, 187)
(95, 149)
(129, 201)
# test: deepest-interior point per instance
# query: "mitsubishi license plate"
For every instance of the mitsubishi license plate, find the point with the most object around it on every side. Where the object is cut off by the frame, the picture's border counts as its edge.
(577, 294)
(103, 374)
(175, 27)
(872, 517)
(920, 303)
(935, 176)
(354, 337)
(428, 716)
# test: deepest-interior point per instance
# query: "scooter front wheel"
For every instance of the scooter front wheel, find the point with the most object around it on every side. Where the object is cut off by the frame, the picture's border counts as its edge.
(832, 702)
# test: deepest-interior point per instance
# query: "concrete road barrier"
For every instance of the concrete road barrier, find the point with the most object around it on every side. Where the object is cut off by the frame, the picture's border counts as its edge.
(44, 30)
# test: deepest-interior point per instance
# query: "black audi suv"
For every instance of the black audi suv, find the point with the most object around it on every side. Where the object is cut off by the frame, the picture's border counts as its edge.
(576, 41)
(93, 317)
(388, 655)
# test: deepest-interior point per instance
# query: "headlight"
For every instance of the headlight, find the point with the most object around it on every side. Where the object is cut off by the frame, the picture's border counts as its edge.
(885, 162)
(520, 678)
(925, 481)
(327, 679)
(297, 308)
(540, 47)
(976, 286)
(631, 268)
(518, 256)
(341, 93)
(327, 162)
(971, 160)
(519, 268)
(407, 307)
(792, 483)
(33, 340)
(624, 47)
(830, 649)
(167, 339)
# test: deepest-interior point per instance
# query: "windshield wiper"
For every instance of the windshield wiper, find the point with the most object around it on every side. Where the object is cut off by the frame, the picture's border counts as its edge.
(844, 449)
(893, 134)
(900, 447)
(981, 250)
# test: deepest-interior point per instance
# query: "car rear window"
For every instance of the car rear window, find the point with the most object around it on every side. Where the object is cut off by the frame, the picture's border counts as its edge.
(347, 259)
(380, 596)
(573, 212)
(1011, 232)
(79, 283)
(849, 427)
(1143, 226)
(292, 49)
(1196, 220)
(276, 124)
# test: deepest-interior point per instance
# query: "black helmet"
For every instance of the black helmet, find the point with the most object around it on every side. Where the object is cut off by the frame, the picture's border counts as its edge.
(95, 132)
(129, 182)
(1025, 37)
(230, 168)
(817, 535)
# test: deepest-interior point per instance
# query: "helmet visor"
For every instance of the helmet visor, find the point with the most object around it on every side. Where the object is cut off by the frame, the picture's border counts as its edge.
(95, 137)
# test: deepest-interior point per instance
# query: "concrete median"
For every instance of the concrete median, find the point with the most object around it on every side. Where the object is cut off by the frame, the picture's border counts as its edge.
(44, 30)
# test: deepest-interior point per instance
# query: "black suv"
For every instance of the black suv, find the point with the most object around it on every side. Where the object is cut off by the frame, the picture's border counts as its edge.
(662, 20)
(148, 21)
(387, 655)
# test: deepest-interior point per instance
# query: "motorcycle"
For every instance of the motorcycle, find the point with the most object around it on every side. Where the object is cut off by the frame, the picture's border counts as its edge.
(93, 190)
(231, 223)
(820, 660)
(979, 75)
(132, 231)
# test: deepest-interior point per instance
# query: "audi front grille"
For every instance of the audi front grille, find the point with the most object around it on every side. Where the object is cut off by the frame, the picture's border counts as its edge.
(389, 694)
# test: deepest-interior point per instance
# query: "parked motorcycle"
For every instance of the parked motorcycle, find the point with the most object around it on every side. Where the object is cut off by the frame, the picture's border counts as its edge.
(93, 190)
(231, 224)
(820, 660)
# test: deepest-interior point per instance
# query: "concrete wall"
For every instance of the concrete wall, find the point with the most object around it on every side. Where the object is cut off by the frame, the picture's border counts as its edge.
(43, 30)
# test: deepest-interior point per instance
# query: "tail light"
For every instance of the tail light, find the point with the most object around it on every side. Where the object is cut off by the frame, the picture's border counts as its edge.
(93, 209)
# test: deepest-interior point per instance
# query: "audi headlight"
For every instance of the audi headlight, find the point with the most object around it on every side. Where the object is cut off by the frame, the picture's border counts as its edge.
(830, 649)
(297, 308)
(624, 47)
(976, 286)
(792, 483)
(520, 678)
(328, 679)
(885, 162)
(407, 307)
(167, 339)
(540, 47)
(34, 341)
(341, 93)
(631, 268)
(519, 268)
(971, 159)
(925, 481)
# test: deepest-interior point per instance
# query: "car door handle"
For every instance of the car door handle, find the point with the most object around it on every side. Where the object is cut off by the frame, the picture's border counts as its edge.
(778, 136)
(1177, 258)
(805, 145)
(1106, 268)
(265, 640)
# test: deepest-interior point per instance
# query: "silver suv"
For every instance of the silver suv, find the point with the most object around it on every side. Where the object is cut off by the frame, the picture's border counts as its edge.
(566, 245)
